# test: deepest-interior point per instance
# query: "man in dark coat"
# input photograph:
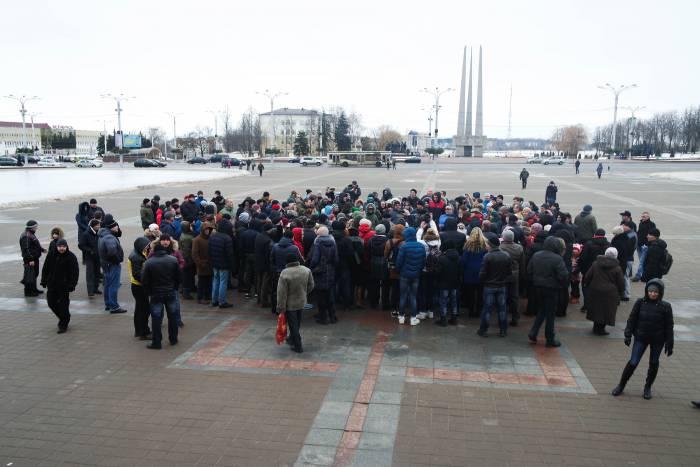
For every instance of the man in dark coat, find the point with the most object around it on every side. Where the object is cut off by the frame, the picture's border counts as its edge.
(605, 286)
(656, 256)
(586, 223)
(111, 257)
(550, 195)
(246, 241)
(645, 225)
(221, 259)
(160, 278)
(31, 252)
(494, 274)
(378, 268)
(450, 237)
(189, 209)
(324, 260)
(263, 248)
(87, 243)
(449, 275)
(60, 276)
(94, 209)
(82, 218)
(524, 174)
(548, 274)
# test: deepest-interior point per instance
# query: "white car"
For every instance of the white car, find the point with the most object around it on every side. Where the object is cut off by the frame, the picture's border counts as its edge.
(89, 163)
(534, 160)
(308, 160)
(49, 162)
(554, 160)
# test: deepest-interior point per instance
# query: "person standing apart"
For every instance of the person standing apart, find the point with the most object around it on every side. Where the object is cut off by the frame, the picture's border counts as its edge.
(550, 194)
(599, 170)
(60, 276)
(294, 284)
(111, 257)
(524, 174)
(261, 167)
(651, 325)
(31, 252)
(577, 165)
(161, 279)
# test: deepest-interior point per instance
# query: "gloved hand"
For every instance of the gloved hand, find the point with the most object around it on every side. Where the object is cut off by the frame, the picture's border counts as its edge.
(628, 341)
(668, 350)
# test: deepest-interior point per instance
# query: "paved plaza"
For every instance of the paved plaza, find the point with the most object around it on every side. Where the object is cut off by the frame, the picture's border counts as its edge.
(366, 391)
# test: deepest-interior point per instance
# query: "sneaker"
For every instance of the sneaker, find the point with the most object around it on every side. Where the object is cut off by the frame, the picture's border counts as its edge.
(442, 322)
(554, 343)
(98, 292)
(248, 295)
(513, 323)
(430, 315)
(502, 333)
(91, 295)
(636, 279)
(422, 315)
(415, 321)
(395, 314)
(117, 311)
(153, 347)
(402, 319)
(214, 304)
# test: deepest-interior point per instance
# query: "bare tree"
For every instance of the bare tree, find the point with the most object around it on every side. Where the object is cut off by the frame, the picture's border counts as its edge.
(570, 139)
(384, 136)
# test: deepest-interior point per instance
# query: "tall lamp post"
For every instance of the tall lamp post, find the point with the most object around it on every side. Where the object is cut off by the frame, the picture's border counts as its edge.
(118, 99)
(272, 96)
(436, 93)
(23, 110)
(34, 145)
(616, 92)
(173, 115)
(630, 131)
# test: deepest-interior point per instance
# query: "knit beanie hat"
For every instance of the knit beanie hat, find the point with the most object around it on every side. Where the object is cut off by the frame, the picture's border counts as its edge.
(61, 242)
(380, 229)
(587, 208)
(244, 217)
(322, 231)
(31, 224)
(508, 235)
(611, 252)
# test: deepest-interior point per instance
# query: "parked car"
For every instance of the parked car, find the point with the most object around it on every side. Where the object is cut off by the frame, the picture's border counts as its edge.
(33, 159)
(10, 162)
(413, 160)
(294, 160)
(198, 160)
(534, 160)
(146, 163)
(308, 160)
(558, 160)
(234, 162)
(49, 162)
(216, 158)
(89, 163)
(160, 163)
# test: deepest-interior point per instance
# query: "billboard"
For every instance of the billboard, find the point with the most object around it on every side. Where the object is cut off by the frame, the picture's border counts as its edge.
(132, 141)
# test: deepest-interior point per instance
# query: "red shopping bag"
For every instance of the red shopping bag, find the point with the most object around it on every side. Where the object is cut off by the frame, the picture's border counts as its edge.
(281, 334)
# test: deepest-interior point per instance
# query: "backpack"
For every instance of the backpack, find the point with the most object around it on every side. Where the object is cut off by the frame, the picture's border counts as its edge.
(668, 262)
(432, 259)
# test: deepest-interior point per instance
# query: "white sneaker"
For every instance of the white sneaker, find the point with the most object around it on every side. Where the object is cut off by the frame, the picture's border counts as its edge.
(414, 321)
(430, 315)
(422, 315)
(402, 319)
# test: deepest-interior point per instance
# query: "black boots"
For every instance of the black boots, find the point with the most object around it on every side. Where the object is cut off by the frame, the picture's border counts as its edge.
(626, 375)
(651, 376)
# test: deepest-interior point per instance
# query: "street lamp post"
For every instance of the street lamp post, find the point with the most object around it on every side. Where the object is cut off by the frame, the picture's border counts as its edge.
(172, 114)
(23, 110)
(436, 93)
(272, 97)
(616, 91)
(118, 99)
(34, 146)
(632, 120)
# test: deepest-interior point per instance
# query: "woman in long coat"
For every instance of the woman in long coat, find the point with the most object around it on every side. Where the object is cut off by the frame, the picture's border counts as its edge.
(605, 285)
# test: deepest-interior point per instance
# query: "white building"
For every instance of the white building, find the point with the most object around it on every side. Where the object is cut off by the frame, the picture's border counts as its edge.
(417, 142)
(280, 128)
(13, 137)
(86, 141)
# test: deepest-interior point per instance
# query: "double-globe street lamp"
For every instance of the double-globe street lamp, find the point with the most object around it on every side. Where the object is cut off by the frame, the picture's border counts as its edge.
(118, 99)
(436, 93)
(272, 96)
(616, 90)
(23, 110)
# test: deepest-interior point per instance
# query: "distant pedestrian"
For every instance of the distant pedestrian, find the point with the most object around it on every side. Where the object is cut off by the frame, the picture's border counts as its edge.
(393, 163)
(294, 284)
(577, 165)
(599, 169)
(261, 167)
(31, 252)
(550, 195)
(524, 174)
(60, 276)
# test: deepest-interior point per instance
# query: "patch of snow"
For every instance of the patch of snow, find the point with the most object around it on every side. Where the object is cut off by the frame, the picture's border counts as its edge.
(685, 176)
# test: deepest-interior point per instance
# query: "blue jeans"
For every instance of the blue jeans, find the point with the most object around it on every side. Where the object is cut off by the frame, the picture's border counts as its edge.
(409, 292)
(157, 304)
(638, 349)
(448, 298)
(628, 278)
(494, 296)
(176, 313)
(642, 253)
(219, 285)
(112, 273)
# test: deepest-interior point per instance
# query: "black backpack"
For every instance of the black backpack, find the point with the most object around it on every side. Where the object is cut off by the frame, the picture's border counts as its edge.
(432, 259)
(668, 262)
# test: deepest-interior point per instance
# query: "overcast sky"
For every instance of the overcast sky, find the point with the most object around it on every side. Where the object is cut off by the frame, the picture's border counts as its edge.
(371, 57)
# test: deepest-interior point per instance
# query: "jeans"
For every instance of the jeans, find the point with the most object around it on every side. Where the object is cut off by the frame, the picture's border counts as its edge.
(638, 349)
(111, 272)
(628, 278)
(409, 293)
(547, 301)
(642, 253)
(294, 325)
(92, 275)
(176, 312)
(494, 296)
(142, 310)
(513, 298)
(448, 299)
(219, 285)
(59, 303)
(157, 304)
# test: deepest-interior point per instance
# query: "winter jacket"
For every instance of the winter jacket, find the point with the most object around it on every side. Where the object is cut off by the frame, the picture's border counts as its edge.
(625, 248)
(391, 250)
(643, 230)
(160, 274)
(324, 259)
(517, 259)
(470, 263)
(551, 193)
(109, 248)
(221, 251)
(137, 259)
(82, 217)
(278, 255)
(451, 238)
(168, 228)
(30, 246)
(263, 247)
(378, 268)
(449, 271)
(247, 241)
(656, 257)
(200, 253)
(147, 216)
(591, 250)
(605, 285)
(495, 270)
(651, 322)
(87, 243)
(186, 240)
(307, 240)
(411, 257)
(294, 284)
(587, 225)
(60, 272)
(546, 268)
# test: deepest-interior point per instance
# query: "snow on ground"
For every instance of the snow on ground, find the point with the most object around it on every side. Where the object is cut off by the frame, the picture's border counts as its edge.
(24, 186)
(685, 176)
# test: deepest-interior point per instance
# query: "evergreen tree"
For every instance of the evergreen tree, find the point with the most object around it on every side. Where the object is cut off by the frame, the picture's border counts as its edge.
(301, 144)
(342, 131)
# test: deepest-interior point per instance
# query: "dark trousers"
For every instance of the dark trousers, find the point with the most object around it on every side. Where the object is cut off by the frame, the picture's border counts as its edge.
(532, 302)
(513, 300)
(474, 298)
(395, 293)
(524, 183)
(158, 302)
(273, 290)
(326, 305)
(249, 281)
(263, 288)
(343, 286)
(92, 275)
(142, 310)
(547, 301)
(203, 287)
(386, 294)
(294, 325)
(188, 273)
(31, 286)
(563, 301)
(59, 303)
(428, 293)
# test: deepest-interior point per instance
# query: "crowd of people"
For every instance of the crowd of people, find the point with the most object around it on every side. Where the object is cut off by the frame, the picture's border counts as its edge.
(419, 257)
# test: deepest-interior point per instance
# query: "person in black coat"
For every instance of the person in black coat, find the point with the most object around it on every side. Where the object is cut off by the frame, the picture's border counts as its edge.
(31, 252)
(324, 260)
(60, 276)
(263, 248)
(450, 237)
(449, 274)
(591, 250)
(82, 218)
(550, 195)
(495, 272)
(645, 225)
(656, 256)
(346, 261)
(651, 325)
(87, 243)
(160, 278)
(221, 259)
